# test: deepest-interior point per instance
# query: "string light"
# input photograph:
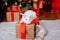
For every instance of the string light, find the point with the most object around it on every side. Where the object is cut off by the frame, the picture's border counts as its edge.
(15, 3)
(29, 1)
(20, 5)
(6, 3)
(35, 0)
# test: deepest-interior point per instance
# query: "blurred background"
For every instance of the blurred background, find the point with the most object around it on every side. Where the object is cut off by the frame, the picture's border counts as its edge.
(45, 9)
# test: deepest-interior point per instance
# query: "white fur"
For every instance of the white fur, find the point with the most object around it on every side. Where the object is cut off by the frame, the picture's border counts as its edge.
(28, 16)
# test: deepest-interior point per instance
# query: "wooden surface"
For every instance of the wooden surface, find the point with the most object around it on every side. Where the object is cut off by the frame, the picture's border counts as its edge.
(50, 16)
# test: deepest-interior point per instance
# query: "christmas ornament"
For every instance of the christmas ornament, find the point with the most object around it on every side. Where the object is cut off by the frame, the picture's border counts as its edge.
(6, 3)
(20, 0)
(15, 3)
(20, 5)
(29, 1)
(35, 0)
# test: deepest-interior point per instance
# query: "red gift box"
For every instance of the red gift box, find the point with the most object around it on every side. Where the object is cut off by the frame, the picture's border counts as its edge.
(24, 31)
(36, 8)
(15, 7)
(13, 15)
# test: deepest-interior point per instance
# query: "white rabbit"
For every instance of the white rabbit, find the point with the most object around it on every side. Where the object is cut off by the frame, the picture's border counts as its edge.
(28, 17)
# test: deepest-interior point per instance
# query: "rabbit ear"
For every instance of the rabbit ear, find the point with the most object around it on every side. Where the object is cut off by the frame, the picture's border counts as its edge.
(21, 14)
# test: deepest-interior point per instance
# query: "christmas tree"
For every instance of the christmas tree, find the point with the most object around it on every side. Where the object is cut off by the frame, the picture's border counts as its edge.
(28, 4)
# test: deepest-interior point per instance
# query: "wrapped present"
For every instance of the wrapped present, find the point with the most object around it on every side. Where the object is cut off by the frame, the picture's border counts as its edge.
(41, 4)
(28, 32)
(36, 8)
(15, 7)
(31, 31)
(12, 16)
(34, 5)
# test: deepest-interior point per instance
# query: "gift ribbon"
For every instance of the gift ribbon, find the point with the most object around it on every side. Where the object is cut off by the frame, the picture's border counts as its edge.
(21, 11)
(23, 30)
(35, 21)
(12, 16)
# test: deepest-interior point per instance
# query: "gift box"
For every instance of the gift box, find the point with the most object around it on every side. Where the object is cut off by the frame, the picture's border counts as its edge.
(29, 31)
(12, 16)
(40, 5)
(34, 5)
(36, 8)
(15, 7)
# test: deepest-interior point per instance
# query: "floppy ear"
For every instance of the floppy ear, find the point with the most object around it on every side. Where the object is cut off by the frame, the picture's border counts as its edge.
(21, 14)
